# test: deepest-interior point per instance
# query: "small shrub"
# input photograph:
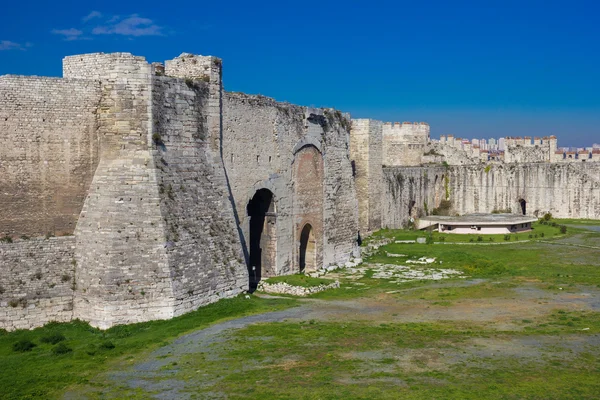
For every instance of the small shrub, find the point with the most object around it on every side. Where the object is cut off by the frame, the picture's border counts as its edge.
(107, 345)
(507, 238)
(61, 348)
(563, 229)
(189, 82)
(6, 239)
(542, 234)
(156, 138)
(13, 303)
(24, 237)
(65, 278)
(491, 239)
(530, 236)
(471, 240)
(53, 338)
(480, 238)
(547, 217)
(429, 239)
(442, 238)
(554, 224)
(23, 345)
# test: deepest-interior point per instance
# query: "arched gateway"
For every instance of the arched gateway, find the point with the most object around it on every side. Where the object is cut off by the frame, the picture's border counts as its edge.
(263, 237)
(308, 249)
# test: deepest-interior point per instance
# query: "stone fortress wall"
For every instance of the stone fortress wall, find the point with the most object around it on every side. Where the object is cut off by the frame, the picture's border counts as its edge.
(166, 192)
(416, 179)
(147, 174)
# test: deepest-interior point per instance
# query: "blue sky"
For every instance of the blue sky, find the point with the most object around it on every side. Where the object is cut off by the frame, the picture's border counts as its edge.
(469, 68)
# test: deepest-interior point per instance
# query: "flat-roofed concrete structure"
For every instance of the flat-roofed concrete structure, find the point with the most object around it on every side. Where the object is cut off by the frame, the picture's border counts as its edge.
(491, 224)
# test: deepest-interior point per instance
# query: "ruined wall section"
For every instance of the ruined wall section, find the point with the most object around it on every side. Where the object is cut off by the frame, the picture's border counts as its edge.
(366, 153)
(123, 273)
(404, 143)
(37, 282)
(261, 138)
(341, 204)
(49, 152)
(566, 190)
(203, 246)
(411, 192)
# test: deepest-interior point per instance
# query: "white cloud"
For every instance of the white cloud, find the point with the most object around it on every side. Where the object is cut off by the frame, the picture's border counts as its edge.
(92, 15)
(68, 34)
(8, 45)
(133, 25)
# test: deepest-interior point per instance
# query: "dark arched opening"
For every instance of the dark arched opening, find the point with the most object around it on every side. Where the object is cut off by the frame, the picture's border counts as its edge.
(308, 249)
(261, 260)
(523, 205)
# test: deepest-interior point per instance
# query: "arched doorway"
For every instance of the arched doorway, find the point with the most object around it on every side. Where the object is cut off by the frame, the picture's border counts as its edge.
(308, 249)
(523, 205)
(263, 238)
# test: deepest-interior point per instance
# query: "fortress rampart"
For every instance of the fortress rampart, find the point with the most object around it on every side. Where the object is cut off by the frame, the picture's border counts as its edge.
(135, 191)
(167, 192)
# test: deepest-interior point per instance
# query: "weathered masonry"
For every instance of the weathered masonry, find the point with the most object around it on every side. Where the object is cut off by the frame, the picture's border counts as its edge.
(133, 191)
(148, 191)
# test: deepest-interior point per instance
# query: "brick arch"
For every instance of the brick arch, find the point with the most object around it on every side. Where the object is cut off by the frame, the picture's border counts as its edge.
(308, 200)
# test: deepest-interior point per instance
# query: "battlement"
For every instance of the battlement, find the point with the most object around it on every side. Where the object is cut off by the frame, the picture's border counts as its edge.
(193, 66)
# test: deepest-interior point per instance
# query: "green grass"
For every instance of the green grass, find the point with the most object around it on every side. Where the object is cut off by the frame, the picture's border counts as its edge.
(40, 373)
(330, 360)
(299, 280)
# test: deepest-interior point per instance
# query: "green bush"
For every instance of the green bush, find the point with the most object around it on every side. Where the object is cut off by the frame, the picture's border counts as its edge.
(480, 238)
(107, 345)
(53, 338)
(23, 345)
(563, 229)
(61, 348)
(507, 238)
(547, 217)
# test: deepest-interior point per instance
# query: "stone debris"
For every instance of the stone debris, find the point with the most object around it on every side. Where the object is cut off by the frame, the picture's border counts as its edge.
(422, 260)
(395, 255)
(400, 273)
(286, 288)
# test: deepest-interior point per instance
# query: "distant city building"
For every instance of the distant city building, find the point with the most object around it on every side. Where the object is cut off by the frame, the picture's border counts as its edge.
(502, 144)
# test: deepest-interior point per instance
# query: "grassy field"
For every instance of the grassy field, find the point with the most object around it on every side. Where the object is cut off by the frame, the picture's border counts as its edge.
(520, 321)
(41, 373)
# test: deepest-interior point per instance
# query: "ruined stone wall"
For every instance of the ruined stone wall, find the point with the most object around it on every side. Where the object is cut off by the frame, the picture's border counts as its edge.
(49, 152)
(411, 192)
(528, 153)
(366, 153)
(566, 190)
(37, 282)
(262, 140)
(123, 274)
(203, 247)
(404, 144)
